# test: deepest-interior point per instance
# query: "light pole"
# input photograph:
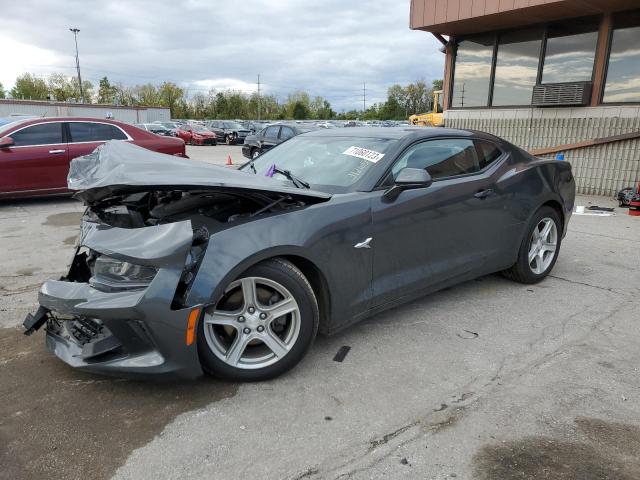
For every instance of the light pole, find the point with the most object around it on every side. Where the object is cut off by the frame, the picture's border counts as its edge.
(75, 36)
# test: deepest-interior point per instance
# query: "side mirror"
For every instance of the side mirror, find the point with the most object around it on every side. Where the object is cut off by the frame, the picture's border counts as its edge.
(408, 179)
(6, 142)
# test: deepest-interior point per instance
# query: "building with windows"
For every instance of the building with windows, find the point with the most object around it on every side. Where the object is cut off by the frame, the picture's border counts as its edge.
(552, 76)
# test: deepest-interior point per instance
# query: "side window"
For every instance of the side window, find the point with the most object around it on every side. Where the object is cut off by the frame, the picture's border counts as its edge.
(487, 153)
(441, 158)
(286, 133)
(272, 132)
(43, 134)
(95, 132)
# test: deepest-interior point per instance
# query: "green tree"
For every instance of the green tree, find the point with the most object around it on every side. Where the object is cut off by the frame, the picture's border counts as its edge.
(300, 111)
(106, 91)
(199, 104)
(437, 84)
(124, 95)
(147, 94)
(299, 100)
(65, 88)
(29, 87)
(2, 94)
(221, 105)
(170, 95)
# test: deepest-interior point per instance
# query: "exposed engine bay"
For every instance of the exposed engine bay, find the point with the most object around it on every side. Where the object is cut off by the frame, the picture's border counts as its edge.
(205, 208)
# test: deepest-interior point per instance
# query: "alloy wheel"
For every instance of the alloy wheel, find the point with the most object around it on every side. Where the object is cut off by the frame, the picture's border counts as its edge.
(542, 245)
(254, 325)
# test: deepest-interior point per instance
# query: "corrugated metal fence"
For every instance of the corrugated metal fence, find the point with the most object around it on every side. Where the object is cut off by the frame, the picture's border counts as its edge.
(599, 170)
(58, 109)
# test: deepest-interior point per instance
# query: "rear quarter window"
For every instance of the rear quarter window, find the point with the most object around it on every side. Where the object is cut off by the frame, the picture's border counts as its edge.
(95, 132)
(487, 153)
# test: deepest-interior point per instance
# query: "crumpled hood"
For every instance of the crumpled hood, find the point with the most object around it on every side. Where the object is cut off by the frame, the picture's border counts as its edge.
(120, 167)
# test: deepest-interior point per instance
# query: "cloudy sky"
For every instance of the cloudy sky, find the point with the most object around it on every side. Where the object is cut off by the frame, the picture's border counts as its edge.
(326, 47)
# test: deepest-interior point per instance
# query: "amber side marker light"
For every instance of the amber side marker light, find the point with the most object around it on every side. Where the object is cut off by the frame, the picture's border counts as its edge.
(191, 326)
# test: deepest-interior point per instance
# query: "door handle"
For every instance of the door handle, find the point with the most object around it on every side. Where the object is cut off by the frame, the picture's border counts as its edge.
(57, 151)
(484, 193)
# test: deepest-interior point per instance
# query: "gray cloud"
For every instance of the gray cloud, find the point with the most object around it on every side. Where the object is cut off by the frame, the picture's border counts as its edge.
(328, 47)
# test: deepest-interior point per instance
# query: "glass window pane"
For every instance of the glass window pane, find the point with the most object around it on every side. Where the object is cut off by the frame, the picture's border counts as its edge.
(517, 67)
(94, 132)
(623, 75)
(272, 132)
(570, 59)
(43, 134)
(473, 72)
(571, 48)
(441, 158)
(488, 153)
(286, 133)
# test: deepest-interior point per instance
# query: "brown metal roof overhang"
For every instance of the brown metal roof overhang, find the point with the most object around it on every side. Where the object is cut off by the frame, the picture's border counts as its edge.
(463, 17)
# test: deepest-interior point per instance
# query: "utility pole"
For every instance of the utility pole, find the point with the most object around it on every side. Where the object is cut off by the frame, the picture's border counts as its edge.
(75, 36)
(258, 96)
(364, 97)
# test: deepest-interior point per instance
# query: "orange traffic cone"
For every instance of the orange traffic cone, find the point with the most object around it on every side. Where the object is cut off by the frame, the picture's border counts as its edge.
(229, 161)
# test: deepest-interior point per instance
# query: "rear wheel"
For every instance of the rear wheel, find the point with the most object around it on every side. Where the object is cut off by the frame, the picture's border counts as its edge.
(262, 326)
(539, 249)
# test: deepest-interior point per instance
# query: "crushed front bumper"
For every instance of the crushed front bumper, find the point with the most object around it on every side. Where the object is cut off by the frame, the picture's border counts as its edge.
(125, 332)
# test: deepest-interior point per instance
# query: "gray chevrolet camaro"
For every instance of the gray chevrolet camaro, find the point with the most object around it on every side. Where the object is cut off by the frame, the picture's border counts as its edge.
(183, 267)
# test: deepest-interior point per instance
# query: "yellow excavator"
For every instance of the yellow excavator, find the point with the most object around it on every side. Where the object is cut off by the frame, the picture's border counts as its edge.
(432, 119)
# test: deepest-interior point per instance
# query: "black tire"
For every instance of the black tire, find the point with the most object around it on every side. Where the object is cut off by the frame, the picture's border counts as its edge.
(254, 151)
(290, 277)
(227, 139)
(521, 271)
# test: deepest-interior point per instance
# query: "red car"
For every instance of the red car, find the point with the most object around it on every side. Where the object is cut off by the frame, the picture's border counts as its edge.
(35, 152)
(197, 135)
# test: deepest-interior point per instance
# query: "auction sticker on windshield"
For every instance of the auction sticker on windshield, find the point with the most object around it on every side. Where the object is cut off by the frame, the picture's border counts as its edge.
(364, 153)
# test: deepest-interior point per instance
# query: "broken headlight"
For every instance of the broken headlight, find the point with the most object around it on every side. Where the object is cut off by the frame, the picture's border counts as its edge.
(112, 273)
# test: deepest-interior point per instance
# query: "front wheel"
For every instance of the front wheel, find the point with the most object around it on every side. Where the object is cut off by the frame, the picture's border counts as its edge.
(262, 326)
(539, 249)
(255, 153)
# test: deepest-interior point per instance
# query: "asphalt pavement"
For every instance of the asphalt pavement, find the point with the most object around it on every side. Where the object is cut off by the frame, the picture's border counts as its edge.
(489, 380)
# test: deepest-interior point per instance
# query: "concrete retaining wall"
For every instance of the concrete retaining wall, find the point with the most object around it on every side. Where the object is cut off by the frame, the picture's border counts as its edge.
(599, 170)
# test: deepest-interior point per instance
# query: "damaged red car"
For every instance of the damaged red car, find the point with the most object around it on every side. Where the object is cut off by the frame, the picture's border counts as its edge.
(197, 135)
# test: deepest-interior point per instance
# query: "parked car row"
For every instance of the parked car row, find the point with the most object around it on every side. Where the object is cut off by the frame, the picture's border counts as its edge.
(258, 143)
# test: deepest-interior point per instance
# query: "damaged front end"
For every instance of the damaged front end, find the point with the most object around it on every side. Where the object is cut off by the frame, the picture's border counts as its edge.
(122, 307)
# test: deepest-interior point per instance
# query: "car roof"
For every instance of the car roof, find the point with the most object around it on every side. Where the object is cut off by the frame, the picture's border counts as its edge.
(390, 132)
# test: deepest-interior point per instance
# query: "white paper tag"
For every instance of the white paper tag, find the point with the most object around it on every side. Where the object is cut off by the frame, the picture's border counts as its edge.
(364, 153)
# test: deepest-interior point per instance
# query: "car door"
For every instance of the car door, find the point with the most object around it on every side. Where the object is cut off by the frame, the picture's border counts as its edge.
(430, 236)
(38, 160)
(270, 138)
(85, 137)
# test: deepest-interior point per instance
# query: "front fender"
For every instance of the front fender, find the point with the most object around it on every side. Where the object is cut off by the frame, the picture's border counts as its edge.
(324, 234)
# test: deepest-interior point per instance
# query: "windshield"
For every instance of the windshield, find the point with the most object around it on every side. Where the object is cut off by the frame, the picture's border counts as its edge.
(233, 125)
(330, 164)
(201, 130)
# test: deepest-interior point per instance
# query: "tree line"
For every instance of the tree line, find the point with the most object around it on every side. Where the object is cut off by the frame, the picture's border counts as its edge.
(401, 101)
